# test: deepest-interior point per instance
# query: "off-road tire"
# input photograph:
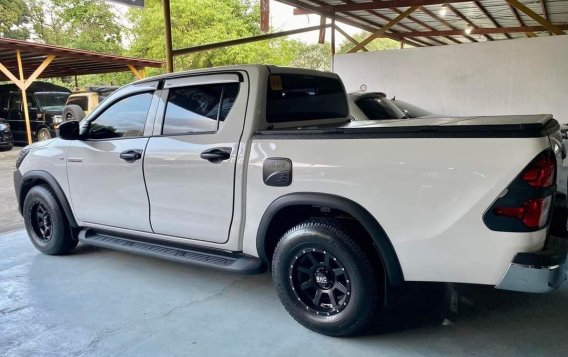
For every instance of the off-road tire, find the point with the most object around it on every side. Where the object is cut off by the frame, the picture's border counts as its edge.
(61, 239)
(365, 286)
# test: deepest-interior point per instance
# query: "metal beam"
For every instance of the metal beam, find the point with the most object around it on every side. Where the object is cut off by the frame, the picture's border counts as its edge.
(346, 35)
(489, 16)
(480, 31)
(241, 41)
(533, 15)
(446, 23)
(468, 21)
(376, 5)
(384, 29)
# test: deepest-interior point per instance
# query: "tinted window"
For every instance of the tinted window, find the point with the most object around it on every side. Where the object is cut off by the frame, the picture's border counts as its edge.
(51, 100)
(197, 109)
(82, 102)
(4, 101)
(15, 102)
(411, 110)
(125, 118)
(379, 108)
(295, 97)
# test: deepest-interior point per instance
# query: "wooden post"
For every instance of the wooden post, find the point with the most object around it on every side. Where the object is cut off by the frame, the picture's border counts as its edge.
(168, 35)
(264, 15)
(321, 39)
(24, 96)
(139, 74)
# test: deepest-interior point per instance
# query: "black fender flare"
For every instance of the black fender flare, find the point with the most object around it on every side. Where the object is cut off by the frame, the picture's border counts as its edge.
(384, 246)
(24, 183)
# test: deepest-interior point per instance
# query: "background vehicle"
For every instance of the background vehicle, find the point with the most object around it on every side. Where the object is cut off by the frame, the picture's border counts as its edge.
(45, 105)
(81, 104)
(376, 106)
(411, 110)
(240, 167)
(6, 140)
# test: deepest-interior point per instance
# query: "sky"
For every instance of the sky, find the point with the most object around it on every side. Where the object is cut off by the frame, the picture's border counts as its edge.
(282, 18)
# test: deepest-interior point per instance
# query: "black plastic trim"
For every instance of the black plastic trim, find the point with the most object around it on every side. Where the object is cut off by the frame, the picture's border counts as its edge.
(427, 131)
(555, 252)
(28, 179)
(385, 248)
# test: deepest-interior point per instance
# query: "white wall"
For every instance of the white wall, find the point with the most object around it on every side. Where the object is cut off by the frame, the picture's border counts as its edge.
(522, 76)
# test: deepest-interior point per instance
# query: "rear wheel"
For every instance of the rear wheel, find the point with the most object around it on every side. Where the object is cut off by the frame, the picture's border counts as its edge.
(46, 223)
(325, 280)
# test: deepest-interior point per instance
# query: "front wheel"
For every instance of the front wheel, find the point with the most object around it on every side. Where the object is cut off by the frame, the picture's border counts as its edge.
(325, 280)
(43, 134)
(46, 223)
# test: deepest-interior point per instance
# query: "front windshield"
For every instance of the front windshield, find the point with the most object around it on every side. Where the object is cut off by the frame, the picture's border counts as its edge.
(380, 109)
(51, 100)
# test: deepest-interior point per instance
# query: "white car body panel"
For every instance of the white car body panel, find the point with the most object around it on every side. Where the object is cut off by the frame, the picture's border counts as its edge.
(429, 199)
(428, 194)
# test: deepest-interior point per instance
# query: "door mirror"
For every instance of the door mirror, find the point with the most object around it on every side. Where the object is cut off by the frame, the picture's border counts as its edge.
(68, 130)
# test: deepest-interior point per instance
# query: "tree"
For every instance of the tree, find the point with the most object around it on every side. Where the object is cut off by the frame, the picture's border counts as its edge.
(314, 56)
(206, 21)
(378, 44)
(14, 18)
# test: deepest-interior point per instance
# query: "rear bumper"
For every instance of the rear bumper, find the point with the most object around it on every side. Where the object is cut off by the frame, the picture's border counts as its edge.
(538, 272)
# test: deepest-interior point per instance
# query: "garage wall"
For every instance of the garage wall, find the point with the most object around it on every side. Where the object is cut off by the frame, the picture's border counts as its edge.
(522, 76)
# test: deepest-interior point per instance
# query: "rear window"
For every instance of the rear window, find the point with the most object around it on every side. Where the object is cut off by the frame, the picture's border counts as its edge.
(298, 97)
(81, 101)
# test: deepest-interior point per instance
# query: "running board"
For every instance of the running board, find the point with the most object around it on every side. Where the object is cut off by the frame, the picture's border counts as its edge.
(233, 262)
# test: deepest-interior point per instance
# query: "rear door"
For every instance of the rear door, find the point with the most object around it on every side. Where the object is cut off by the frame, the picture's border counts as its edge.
(190, 161)
(105, 169)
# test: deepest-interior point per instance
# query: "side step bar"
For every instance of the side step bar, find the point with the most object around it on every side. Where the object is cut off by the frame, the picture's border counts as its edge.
(233, 262)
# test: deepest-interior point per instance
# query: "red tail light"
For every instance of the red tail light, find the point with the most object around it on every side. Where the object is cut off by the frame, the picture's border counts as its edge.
(526, 206)
(540, 173)
(534, 213)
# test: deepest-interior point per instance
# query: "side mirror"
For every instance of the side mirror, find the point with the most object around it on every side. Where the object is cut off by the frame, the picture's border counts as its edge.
(68, 130)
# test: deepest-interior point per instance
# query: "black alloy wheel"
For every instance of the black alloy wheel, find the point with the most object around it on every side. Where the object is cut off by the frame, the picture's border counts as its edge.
(47, 226)
(41, 222)
(320, 281)
(326, 280)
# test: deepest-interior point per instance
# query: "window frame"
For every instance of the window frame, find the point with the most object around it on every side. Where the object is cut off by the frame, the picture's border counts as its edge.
(149, 116)
(190, 81)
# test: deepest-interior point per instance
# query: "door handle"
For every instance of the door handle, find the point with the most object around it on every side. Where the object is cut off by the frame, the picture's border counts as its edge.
(131, 155)
(216, 155)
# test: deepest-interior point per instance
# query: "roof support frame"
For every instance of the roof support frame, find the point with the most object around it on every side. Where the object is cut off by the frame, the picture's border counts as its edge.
(536, 17)
(380, 32)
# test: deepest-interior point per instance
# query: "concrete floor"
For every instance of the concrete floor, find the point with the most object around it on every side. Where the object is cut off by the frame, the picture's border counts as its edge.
(101, 302)
(10, 219)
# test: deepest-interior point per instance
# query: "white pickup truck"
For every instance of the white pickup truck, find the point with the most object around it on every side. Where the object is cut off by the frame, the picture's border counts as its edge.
(240, 168)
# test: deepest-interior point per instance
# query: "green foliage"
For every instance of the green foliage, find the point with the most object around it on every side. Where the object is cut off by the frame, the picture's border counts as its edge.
(206, 21)
(14, 18)
(314, 56)
(378, 44)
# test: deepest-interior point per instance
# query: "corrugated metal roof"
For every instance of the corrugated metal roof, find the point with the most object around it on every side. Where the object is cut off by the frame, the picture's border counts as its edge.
(67, 62)
(482, 14)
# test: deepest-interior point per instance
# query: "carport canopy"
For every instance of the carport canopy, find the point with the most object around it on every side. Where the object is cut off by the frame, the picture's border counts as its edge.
(22, 62)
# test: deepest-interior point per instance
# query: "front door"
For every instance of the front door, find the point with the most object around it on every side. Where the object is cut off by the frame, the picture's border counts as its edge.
(105, 170)
(190, 161)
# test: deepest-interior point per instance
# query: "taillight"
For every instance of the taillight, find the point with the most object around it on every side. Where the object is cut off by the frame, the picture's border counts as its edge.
(540, 172)
(527, 204)
(534, 213)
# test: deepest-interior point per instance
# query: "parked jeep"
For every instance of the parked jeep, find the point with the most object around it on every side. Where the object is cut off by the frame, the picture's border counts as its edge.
(45, 105)
(243, 167)
(81, 104)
